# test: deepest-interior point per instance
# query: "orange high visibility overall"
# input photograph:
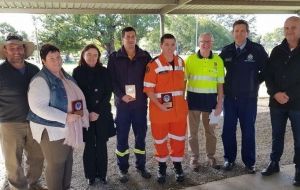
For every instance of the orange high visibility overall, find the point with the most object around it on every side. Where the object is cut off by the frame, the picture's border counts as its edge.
(162, 79)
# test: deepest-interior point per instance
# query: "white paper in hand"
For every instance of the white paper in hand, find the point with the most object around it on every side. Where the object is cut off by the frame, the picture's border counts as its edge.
(214, 120)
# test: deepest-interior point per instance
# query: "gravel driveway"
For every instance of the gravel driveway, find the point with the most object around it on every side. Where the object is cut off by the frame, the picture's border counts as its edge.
(206, 174)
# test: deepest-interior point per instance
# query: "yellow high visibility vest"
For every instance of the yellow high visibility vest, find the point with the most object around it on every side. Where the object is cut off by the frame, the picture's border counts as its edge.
(203, 74)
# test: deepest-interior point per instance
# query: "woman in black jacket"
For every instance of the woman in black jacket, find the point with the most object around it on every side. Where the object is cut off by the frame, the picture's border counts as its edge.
(94, 80)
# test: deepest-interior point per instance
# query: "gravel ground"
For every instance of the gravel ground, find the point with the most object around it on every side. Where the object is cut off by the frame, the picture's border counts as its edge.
(206, 174)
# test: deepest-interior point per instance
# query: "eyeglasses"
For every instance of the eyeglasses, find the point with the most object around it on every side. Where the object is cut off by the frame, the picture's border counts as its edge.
(206, 42)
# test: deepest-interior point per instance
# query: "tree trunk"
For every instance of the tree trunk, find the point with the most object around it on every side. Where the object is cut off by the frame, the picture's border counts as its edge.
(110, 47)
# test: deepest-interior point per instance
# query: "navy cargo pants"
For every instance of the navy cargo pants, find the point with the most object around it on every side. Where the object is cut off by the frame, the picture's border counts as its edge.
(125, 118)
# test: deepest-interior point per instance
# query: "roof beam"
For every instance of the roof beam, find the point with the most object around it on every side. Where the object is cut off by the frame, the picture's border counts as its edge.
(246, 2)
(78, 11)
(169, 8)
(158, 2)
(234, 11)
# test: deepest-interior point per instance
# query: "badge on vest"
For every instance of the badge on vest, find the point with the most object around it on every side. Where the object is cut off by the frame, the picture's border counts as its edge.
(130, 90)
(77, 107)
(167, 100)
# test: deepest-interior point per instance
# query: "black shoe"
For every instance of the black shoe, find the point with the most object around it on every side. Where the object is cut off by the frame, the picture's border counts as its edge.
(179, 176)
(144, 173)
(103, 180)
(250, 169)
(196, 169)
(161, 178)
(91, 181)
(297, 177)
(123, 176)
(161, 173)
(273, 167)
(216, 167)
(228, 166)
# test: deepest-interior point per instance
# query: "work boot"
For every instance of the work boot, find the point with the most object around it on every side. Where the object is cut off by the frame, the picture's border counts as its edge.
(297, 177)
(144, 173)
(123, 176)
(273, 167)
(194, 164)
(212, 162)
(178, 172)
(162, 172)
(228, 166)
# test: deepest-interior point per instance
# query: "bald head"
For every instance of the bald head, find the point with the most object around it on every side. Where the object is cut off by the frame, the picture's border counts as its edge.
(292, 30)
(293, 19)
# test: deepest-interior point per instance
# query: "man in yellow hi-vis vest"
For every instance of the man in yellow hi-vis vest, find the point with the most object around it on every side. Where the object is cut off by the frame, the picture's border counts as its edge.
(205, 75)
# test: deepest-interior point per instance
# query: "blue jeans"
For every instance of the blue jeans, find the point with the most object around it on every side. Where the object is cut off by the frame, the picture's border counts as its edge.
(244, 110)
(279, 119)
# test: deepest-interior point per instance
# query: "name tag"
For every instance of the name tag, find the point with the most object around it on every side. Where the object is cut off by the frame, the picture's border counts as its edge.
(130, 90)
(228, 59)
(77, 107)
(167, 100)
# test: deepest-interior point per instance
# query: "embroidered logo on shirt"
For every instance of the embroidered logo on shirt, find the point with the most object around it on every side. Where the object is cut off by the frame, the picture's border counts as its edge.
(249, 58)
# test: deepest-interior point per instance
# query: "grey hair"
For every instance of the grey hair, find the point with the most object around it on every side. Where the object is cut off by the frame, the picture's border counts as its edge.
(206, 34)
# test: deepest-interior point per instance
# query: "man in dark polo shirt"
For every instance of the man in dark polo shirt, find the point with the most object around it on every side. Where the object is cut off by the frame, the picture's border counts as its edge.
(15, 133)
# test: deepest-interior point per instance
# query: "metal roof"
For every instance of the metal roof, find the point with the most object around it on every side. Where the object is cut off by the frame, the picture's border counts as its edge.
(150, 6)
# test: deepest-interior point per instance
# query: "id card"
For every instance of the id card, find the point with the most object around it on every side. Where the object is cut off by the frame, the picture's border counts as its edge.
(130, 90)
(167, 100)
(77, 107)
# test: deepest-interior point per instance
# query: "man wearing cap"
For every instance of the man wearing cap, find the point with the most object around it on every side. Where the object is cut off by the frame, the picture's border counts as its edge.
(15, 133)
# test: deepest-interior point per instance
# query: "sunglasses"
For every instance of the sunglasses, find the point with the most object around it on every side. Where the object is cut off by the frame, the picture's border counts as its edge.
(14, 37)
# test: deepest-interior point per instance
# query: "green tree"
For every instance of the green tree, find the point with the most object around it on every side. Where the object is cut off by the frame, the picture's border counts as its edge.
(221, 35)
(62, 31)
(184, 28)
(271, 39)
(6, 28)
(76, 30)
(227, 21)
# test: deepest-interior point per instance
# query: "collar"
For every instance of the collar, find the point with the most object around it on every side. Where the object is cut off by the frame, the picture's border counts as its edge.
(242, 46)
(201, 57)
(122, 52)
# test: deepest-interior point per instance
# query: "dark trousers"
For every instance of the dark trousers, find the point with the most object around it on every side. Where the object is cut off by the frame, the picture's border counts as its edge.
(125, 118)
(95, 152)
(279, 119)
(244, 110)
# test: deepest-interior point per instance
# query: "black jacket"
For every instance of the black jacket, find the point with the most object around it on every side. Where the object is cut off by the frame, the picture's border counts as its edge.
(244, 71)
(95, 84)
(13, 91)
(126, 72)
(283, 75)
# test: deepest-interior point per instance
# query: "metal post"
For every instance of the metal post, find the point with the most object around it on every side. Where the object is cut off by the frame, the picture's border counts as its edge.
(196, 42)
(36, 38)
(162, 24)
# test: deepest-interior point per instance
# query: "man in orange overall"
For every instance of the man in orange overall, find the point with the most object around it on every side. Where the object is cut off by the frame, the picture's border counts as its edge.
(164, 84)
